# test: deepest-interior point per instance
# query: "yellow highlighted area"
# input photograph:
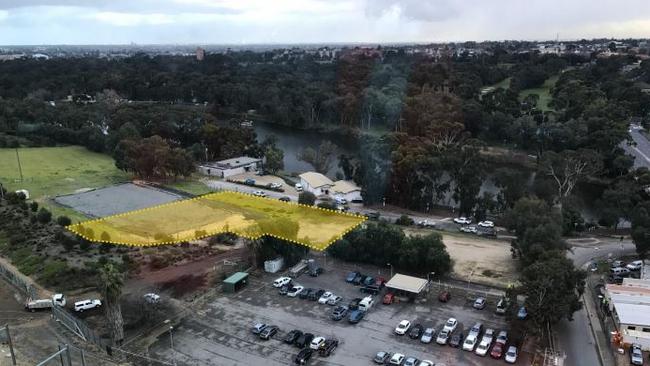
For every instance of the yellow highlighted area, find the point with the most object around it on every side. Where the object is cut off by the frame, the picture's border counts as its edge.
(238, 213)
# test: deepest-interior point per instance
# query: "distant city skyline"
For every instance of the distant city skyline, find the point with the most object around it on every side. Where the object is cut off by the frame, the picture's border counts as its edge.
(35, 22)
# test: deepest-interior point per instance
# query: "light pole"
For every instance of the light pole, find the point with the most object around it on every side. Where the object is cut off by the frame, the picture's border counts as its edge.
(429, 275)
(391, 269)
(171, 342)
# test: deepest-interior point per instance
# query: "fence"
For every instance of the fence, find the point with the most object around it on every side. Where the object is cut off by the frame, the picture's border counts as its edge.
(78, 327)
(18, 281)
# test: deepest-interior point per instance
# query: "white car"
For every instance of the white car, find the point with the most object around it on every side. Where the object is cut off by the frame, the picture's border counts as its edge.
(152, 298)
(335, 299)
(426, 363)
(486, 223)
(426, 223)
(403, 327)
(397, 359)
(281, 281)
(469, 229)
(316, 343)
(295, 290)
(82, 305)
(259, 194)
(298, 187)
(450, 325)
(275, 185)
(427, 336)
(511, 354)
(462, 220)
(341, 201)
(482, 348)
(635, 265)
(443, 337)
(326, 296)
(470, 343)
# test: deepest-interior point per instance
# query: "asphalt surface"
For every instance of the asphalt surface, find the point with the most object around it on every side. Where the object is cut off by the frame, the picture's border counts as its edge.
(219, 332)
(641, 151)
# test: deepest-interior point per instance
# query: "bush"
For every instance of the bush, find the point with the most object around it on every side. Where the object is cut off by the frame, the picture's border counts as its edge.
(63, 220)
(404, 221)
(84, 244)
(307, 198)
(44, 215)
(33, 206)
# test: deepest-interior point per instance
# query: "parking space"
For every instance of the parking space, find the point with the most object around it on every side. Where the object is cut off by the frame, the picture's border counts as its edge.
(219, 333)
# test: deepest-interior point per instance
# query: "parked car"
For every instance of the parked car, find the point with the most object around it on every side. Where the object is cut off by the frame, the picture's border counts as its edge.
(522, 313)
(486, 223)
(511, 354)
(285, 289)
(249, 181)
(269, 332)
(426, 223)
(303, 356)
(396, 359)
(83, 305)
(476, 330)
(470, 343)
(426, 363)
(382, 357)
(497, 350)
(372, 289)
(298, 187)
(259, 193)
(482, 348)
(403, 327)
(354, 303)
(316, 343)
(292, 336)
(355, 316)
(488, 335)
(258, 328)
(617, 264)
(304, 294)
(618, 280)
(411, 361)
(351, 276)
(480, 303)
(316, 294)
(281, 281)
(502, 337)
(339, 312)
(380, 282)
(340, 201)
(502, 306)
(416, 331)
(151, 298)
(635, 265)
(315, 272)
(328, 347)
(368, 281)
(295, 291)
(275, 185)
(451, 324)
(444, 296)
(325, 297)
(427, 336)
(285, 199)
(358, 279)
(469, 229)
(334, 300)
(457, 339)
(373, 215)
(636, 355)
(388, 298)
(443, 337)
(462, 220)
(304, 340)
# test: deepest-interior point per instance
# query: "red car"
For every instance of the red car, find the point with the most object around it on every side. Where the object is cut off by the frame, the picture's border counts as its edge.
(444, 296)
(380, 282)
(497, 351)
(388, 298)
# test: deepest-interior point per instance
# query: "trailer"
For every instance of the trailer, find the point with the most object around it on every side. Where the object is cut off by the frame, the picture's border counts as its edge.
(298, 269)
(40, 304)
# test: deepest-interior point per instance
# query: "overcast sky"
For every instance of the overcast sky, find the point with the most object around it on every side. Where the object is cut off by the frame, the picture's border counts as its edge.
(315, 21)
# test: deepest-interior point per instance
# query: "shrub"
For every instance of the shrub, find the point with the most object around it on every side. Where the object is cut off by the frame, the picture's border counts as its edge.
(33, 206)
(63, 220)
(404, 221)
(44, 215)
(307, 198)
(84, 244)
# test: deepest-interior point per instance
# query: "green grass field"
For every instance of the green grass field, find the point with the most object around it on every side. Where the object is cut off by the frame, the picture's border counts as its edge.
(51, 171)
(190, 185)
(544, 93)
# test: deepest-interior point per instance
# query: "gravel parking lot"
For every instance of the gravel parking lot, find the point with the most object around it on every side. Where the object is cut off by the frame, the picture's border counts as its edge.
(219, 332)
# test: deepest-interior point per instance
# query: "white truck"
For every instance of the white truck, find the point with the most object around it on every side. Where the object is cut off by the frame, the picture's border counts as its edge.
(82, 305)
(38, 304)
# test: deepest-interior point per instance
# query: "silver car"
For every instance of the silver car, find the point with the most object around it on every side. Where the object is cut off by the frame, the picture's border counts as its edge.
(427, 336)
(636, 355)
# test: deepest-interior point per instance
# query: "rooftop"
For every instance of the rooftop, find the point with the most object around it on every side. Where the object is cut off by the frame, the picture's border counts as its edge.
(236, 277)
(316, 180)
(631, 301)
(232, 162)
(345, 186)
(407, 283)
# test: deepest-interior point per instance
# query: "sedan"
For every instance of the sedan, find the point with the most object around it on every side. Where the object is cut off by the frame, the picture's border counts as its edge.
(303, 356)
(497, 350)
(295, 291)
(427, 336)
(328, 347)
(462, 220)
(285, 289)
(522, 313)
(397, 359)
(511, 354)
(480, 303)
(258, 328)
(636, 355)
(269, 332)
(356, 316)
(470, 343)
(426, 363)
(416, 331)
(281, 281)
(502, 337)
(486, 223)
(469, 229)
(411, 361)
(285, 199)
(351, 276)
(382, 357)
(334, 300)
(325, 297)
(457, 339)
(451, 324)
(402, 327)
(304, 340)
(444, 296)
(259, 194)
(292, 336)
(443, 337)
(482, 348)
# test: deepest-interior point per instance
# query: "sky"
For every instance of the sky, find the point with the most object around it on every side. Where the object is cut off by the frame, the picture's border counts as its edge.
(26, 22)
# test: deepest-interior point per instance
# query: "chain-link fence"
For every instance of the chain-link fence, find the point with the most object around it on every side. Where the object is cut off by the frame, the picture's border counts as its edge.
(78, 327)
(19, 282)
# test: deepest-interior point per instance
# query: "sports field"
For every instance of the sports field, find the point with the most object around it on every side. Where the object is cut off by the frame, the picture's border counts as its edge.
(242, 214)
(544, 93)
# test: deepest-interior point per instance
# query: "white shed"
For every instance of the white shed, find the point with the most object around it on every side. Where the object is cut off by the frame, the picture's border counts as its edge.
(346, 189)
(229, 167)
(316, 183)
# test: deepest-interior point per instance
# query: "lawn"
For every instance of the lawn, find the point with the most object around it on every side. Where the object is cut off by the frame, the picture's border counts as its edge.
(51, 171)
(544, 93)
(190, 185)
(242, 214)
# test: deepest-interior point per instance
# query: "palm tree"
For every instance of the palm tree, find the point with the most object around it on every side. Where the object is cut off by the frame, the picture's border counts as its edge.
(111, 285)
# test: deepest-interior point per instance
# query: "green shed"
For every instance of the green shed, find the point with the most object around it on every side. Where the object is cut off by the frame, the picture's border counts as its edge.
(235, 282)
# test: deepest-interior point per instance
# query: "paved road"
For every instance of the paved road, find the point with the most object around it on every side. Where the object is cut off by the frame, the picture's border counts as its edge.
(641, 151)
(575, 337)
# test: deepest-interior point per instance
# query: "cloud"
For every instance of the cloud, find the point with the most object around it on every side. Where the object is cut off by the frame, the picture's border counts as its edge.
(427, 11)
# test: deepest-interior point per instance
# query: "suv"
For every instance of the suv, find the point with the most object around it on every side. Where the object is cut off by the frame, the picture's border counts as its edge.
(303, 356)
(476, 330)
(356, 316)
(316, 294)
(82, 305)
(443, 337)
(268, 332)
(328, 347)
(258, 328)
(304, 294)
(292, 336)
(304, 340)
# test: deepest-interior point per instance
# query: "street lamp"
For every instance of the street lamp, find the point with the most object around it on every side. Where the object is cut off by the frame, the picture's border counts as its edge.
(391, 269)
(171, 342)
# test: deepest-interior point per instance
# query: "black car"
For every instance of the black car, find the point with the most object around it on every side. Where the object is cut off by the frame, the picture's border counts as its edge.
(372, 289)
(305, 293)
(304, 340)
(292, 336)
(316, 271)
(416, 331)
(316, 294)
(373, 215)
(303, 356)
(285, 199)
(358, 279)
(354, 303)
(328, 347)
(269, 332)
(285, 288)
(457, 340)
(339, 312)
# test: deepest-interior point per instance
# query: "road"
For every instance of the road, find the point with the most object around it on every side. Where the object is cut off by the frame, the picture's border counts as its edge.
(641, 151)
(575, 337)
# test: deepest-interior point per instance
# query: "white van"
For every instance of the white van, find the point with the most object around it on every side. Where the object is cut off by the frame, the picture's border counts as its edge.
(366, 303)
(635, 265)
(619, 271)
(298, 187)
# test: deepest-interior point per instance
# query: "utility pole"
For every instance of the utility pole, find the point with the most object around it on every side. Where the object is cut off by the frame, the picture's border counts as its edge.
(11, 345)
(20, 168)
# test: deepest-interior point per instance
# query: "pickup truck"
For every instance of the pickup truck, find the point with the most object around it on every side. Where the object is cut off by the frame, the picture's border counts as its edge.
(33, 305)
(80, 306)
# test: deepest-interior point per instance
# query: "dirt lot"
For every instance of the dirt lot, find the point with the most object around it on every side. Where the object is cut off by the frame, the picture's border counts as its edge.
(266, 179)
(218, 333)
(480, 260)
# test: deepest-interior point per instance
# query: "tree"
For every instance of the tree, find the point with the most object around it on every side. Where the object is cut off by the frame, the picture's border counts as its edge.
(569, 167)
(512, 186)
(424, 254)
(63, 220)
(33, 206)
(552, 287)
(44, 215)
(306, 198)
(274, 159)
(320, 159)
(111, 284)
(641, 229)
